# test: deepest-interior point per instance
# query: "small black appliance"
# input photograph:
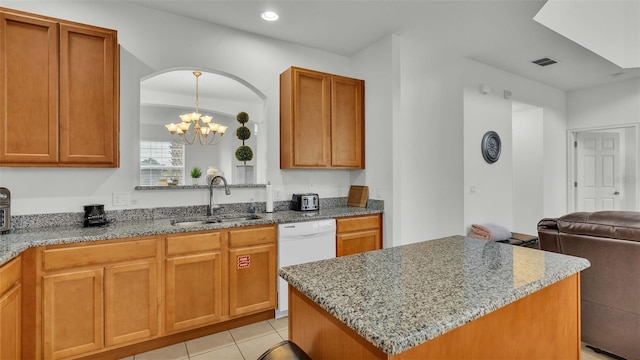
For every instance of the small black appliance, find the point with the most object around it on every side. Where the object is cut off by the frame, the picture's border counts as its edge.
(5, 210)
(94, 215)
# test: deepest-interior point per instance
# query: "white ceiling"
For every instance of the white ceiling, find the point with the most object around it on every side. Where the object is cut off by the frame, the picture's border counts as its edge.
(501, 34)
(598, 26)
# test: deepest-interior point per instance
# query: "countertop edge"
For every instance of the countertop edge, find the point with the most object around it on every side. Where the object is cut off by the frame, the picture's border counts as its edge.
(15, 243)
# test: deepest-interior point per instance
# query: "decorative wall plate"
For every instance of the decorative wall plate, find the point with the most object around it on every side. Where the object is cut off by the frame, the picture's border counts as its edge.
(491, 147)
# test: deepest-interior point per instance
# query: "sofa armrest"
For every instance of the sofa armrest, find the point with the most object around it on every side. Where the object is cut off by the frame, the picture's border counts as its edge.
(548, 235)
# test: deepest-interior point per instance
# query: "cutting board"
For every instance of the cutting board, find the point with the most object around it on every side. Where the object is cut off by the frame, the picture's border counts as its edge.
(358, 196)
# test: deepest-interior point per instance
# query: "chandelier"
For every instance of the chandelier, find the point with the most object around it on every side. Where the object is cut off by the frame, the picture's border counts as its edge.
(205, 133)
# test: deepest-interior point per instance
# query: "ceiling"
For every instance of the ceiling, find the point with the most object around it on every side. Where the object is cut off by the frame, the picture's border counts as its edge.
(502, 34)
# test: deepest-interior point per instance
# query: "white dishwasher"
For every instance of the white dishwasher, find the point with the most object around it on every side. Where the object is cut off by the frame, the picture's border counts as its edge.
(299, 243)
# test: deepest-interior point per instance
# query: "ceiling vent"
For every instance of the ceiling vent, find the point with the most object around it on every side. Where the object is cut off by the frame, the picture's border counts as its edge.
(544, 62)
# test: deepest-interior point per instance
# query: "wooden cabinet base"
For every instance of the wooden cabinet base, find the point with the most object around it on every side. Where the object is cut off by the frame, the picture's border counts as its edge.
(543, 324)
(180, 337)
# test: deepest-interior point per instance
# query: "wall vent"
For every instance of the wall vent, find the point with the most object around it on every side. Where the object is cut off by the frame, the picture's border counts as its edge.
(544, 61)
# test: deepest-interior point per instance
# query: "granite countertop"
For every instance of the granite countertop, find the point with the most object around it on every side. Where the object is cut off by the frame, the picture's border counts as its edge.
(400, 297)
(17, 241)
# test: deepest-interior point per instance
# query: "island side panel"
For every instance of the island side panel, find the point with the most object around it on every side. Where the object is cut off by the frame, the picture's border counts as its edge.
(542, 325)
(321, 335)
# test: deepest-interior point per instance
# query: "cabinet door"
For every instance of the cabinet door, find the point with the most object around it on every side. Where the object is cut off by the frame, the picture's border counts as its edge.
(88, 96)
(73, 313)
(347, 122)
(28, 90)
(193, 290)
(252, 279)
(10, 327)
(357, 242)
(305, 136)
(131, 298)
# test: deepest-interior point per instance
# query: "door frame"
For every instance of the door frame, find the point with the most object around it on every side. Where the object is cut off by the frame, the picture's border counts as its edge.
(572, 161)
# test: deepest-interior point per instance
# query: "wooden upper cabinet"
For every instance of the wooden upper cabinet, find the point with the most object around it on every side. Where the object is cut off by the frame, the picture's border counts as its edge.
(59, 93)
(88, 96)
(321, 120)
(347, 122)
(28, 90)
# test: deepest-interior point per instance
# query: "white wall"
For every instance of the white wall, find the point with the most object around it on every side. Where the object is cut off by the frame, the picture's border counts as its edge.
(151, 41)
(428, 161)
(379, 65)
(528, 148)
(607, 105)
(554, 171)
(491, 200)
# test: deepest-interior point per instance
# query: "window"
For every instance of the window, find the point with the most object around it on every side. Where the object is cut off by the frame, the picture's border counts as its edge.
(161, 161)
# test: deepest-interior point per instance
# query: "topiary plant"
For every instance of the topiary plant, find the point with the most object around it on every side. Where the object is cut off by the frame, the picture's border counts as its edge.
(244, 152)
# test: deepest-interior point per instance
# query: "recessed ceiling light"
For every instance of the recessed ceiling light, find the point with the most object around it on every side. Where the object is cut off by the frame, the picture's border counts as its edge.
(270, 16)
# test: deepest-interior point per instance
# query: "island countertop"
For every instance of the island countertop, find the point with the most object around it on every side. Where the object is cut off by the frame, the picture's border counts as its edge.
(401, 297)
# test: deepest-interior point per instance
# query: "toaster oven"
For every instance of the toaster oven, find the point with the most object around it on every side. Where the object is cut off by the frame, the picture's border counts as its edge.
(305, 202)
(5, 210)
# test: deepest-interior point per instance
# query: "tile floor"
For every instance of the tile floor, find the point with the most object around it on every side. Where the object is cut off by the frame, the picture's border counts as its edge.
(249, 342)
(246, 342)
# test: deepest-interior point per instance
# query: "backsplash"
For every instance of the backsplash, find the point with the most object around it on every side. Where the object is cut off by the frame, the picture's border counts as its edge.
(76, 218)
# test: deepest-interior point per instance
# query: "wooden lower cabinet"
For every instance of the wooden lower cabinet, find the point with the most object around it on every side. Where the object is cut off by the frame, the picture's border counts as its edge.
(193, 279)
(73, 313)
(98, 296)
(358, 234)
(11, 310)
(193, 290)
(252, 269)
(252, 279)
(94, 299)
(131, 302)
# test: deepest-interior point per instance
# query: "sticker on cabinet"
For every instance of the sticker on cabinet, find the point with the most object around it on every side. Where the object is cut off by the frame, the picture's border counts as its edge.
(244, 261)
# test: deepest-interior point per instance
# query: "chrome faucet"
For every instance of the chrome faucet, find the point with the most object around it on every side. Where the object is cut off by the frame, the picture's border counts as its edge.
(226, 191)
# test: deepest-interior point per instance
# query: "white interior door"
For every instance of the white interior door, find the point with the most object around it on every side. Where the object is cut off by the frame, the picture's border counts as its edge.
(598, 171)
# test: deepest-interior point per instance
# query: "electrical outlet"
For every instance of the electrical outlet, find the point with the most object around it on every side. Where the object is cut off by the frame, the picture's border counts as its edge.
(312, 185)
(120, 198)
(378, 193)
(276, 194)
(472, 189)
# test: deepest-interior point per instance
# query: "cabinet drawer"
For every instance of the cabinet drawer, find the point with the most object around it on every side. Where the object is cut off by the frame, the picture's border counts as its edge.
(10, 274)
(193, 243)
(81, 255)
(252, 236)
(358, 223)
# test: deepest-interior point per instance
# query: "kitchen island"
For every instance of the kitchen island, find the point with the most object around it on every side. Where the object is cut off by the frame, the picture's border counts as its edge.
(453, 298)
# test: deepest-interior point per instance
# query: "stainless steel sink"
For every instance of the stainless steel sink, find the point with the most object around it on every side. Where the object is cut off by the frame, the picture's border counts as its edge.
(238, 218)
(214, 219)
